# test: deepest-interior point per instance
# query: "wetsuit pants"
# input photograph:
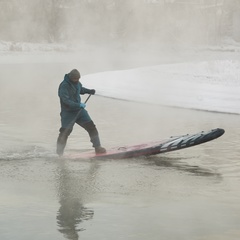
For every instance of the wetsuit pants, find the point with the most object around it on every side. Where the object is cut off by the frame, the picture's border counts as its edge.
(82, 118)
(65, 132)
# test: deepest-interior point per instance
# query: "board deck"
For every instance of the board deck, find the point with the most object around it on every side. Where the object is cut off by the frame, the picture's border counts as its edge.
(153, 148)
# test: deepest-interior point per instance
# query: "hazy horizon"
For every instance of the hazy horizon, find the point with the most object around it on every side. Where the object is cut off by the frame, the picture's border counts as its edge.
(169, 22)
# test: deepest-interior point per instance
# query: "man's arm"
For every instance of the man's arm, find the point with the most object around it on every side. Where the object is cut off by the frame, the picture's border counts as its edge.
(86, 90)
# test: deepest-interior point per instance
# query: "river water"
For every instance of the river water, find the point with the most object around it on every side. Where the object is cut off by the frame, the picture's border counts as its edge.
(189, 194)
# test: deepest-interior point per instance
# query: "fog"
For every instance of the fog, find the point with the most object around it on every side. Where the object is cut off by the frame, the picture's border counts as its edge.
(134, 23)
(151, 62)
(40, 41)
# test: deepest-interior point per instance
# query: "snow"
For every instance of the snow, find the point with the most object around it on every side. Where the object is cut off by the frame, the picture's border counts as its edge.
(31, 47)
(212, 85)
(208, 85)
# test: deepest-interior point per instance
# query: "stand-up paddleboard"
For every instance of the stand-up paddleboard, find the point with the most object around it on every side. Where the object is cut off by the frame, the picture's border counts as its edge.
(153, 148)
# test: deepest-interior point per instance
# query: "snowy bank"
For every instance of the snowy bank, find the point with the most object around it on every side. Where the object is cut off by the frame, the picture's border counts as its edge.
(210, 85)
(6, 46)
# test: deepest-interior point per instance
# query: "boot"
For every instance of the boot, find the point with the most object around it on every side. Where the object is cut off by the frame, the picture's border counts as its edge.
(62, 140)
(99, 150)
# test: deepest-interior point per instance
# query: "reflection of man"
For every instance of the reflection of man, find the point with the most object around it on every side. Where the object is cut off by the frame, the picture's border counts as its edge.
(71, 212)
(72, 111)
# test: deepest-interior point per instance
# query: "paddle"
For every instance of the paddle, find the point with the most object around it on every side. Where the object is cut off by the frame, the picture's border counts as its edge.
(64, 133)
(71, 123)
(85, 103)
(88, 98)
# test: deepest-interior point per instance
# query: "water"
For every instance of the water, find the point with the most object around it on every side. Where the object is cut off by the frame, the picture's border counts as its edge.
(188, 194)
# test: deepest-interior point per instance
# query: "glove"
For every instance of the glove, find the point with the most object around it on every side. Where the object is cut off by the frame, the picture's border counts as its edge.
(92, 91)
(82, 105)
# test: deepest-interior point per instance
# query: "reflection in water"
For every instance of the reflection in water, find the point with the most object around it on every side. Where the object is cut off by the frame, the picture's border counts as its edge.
(70, 214)
(73, 188)
(175, 163)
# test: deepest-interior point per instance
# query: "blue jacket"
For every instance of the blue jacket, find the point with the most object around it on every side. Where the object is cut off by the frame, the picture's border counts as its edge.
(69, 94)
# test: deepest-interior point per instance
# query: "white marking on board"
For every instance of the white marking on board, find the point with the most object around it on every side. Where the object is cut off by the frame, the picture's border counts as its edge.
(173, 143)
(191, 139)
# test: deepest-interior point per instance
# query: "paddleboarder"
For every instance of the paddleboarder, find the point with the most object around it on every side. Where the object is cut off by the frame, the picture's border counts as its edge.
(73, 111)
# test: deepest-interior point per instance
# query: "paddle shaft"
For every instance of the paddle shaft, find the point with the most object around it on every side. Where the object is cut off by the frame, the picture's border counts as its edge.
(88, 98)
(85, 103)
(71, 123)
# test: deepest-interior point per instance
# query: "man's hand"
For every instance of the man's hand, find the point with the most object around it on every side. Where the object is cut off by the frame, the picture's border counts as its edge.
(82, 105)
(92, 91)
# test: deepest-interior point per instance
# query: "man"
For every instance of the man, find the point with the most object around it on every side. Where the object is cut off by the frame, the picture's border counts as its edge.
(73, 111)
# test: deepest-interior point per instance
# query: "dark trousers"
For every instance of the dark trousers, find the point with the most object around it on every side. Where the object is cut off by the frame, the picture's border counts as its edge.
(65, 132)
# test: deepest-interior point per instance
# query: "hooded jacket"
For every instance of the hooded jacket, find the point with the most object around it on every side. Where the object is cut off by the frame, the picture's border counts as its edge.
(69, 94)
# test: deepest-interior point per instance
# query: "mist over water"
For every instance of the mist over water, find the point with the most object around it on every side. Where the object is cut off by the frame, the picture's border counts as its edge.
(181, 52)
(121, 24)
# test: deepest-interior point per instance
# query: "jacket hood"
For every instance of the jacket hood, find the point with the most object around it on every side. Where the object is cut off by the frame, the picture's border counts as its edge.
(67, 79)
